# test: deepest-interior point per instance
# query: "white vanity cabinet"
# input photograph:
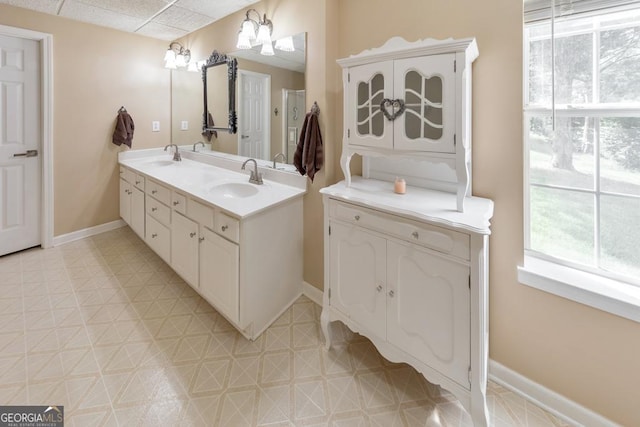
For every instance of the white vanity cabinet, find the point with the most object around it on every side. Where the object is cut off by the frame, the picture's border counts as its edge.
(412, 101)
(409, 272)
(132, 200)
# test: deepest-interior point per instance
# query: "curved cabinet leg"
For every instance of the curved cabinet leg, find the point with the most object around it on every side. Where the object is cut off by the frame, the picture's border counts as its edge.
(345, 159)
(479, 410)
(325, 324)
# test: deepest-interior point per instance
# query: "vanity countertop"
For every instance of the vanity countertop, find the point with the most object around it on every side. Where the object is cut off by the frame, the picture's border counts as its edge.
(225, 188)
(419, 203)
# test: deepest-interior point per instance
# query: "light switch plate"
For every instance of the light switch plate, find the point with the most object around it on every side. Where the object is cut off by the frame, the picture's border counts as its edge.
(184, 125)
(155, 126)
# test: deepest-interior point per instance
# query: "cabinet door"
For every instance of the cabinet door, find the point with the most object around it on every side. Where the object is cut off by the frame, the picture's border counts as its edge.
(368, 85)
(219, 273)
(428, 87)
(428, 311)
(184, 248)
(125, 201)
(137, 211)
(158, 237)
(357, 274)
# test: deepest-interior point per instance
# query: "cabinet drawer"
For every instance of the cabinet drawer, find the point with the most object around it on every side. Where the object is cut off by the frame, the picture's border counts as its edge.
(158, 237)
(159, 192)
(159, 211)
(437, 238)
(127, 174)
(200, 213)
(138, 181)
(227, 226)
(179, 202)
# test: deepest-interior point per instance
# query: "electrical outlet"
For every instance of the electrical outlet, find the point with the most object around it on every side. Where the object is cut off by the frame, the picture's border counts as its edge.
(184, 125)
(155, 126)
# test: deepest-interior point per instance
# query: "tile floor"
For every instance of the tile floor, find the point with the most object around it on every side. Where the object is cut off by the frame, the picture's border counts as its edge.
(107, 329)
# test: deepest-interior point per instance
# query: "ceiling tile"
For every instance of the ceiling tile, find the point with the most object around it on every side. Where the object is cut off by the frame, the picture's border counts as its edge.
(162, 32)
(73, 9)
(47, 6)
(214, 9)
(138, 8)
(183, 19)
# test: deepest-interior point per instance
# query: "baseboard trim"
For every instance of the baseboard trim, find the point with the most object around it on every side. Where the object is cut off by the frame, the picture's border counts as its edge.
(563, 408)
(311, 292)
(87, 232)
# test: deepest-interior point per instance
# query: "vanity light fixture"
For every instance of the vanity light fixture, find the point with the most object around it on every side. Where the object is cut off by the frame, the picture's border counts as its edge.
(256, 30)
(176, 56)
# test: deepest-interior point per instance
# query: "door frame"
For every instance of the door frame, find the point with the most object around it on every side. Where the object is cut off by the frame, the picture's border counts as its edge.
(45, 42)
(266, 103)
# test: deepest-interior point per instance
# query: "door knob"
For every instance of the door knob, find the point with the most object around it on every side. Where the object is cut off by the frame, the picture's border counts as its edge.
(29, 153)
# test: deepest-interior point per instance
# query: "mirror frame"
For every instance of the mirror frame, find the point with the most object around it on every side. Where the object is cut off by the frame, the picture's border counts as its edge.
(216, 59)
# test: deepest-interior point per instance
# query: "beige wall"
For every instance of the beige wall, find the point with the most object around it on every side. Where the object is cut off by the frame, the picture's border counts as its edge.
(95, 71)
(589, 356)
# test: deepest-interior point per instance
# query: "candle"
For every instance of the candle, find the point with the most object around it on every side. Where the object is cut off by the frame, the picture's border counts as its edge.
(400, 186)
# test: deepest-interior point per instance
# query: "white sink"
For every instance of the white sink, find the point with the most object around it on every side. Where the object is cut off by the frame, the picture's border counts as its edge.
(235, 190)
(159, 163)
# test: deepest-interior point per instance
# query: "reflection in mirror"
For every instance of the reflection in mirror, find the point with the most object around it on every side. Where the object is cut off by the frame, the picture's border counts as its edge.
(286, 74)
(219, 85)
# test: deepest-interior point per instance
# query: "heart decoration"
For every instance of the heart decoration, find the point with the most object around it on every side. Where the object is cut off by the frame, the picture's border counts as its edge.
(396, 105)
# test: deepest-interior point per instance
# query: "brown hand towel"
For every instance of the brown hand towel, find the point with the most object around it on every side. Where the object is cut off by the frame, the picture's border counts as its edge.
(123, 133)
(309, 155)
(209, 133)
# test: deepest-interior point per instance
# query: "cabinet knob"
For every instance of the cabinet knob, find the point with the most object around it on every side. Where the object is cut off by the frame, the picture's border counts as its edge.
(176, 203)
(154, 191)
(379, 288)
(154, 209)
(137, 182)
(357, 217)
(224, 227)
(415, 234)
(154, 235)
(391, 293)
(192, 234)
(201, 239)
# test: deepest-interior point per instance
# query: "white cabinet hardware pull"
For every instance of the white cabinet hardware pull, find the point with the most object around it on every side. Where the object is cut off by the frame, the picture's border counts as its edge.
(357, 217)
(224, 227)
(176, 203)
(415, 234)
(154, 209)
(154, 235)
(192, 234)
(379, 288)
(391, 293)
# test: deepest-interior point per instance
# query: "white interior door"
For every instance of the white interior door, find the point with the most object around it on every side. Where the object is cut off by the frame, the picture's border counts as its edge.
(254, 130)
(20, 141)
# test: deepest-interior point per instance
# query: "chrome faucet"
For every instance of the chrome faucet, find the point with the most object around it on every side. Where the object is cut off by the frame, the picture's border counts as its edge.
(194, 145)
(276, 157)
(255, 177)
(176, 155)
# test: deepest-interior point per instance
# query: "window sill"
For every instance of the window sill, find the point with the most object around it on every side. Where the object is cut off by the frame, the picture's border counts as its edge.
(612, 296)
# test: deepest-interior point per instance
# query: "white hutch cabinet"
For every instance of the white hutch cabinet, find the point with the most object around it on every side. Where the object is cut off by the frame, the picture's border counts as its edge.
(410, 271)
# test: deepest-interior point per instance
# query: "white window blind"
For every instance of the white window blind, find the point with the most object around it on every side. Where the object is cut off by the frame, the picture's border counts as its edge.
(537, 10)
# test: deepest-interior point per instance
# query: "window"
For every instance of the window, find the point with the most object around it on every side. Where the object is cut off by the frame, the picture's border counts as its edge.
(582, 140)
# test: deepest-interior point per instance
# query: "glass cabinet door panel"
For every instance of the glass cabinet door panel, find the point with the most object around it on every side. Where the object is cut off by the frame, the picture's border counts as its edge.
(427, 86)
(369, 85)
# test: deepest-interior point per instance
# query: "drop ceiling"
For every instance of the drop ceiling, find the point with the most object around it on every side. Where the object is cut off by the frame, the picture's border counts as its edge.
(160, 19)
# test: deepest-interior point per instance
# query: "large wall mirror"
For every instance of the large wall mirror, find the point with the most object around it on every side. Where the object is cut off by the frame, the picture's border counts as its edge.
(270, 103)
